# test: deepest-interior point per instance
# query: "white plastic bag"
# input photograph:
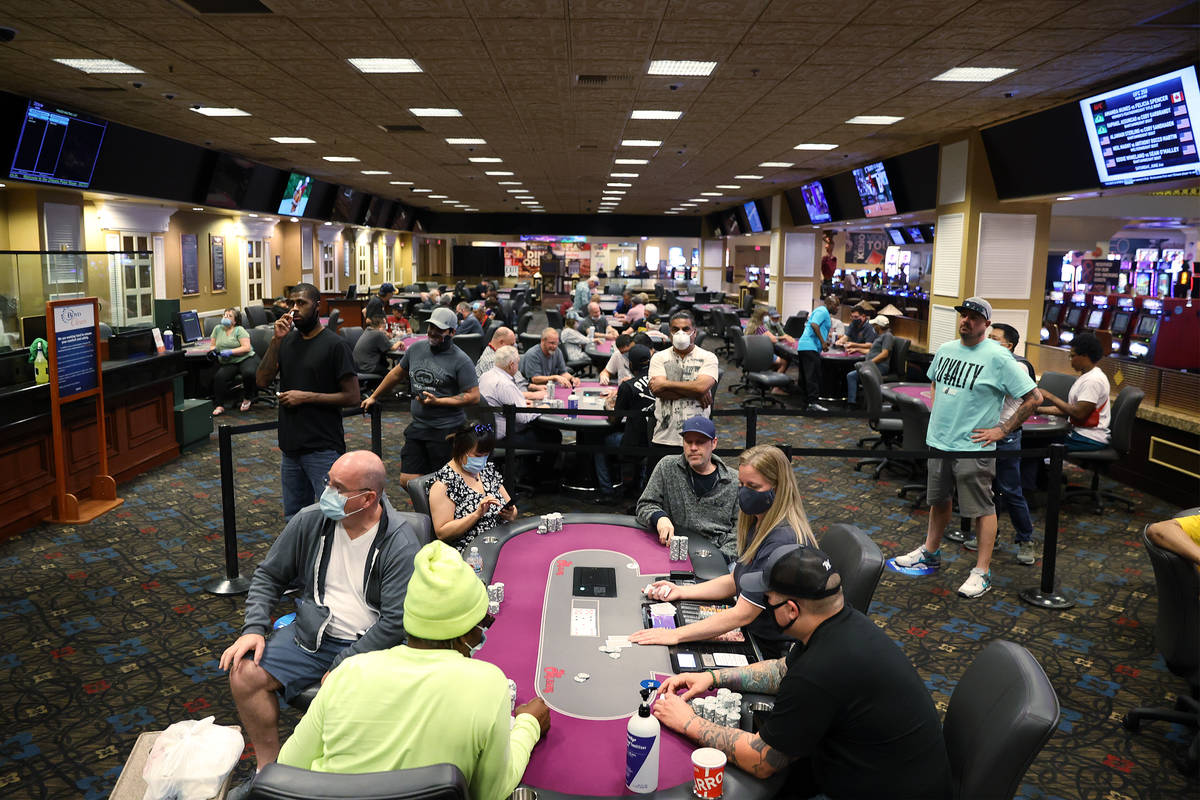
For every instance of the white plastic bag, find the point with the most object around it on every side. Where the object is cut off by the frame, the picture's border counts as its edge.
(190, 760)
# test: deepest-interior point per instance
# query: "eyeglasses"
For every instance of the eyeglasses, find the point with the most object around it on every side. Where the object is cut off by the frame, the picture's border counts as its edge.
(329, 484)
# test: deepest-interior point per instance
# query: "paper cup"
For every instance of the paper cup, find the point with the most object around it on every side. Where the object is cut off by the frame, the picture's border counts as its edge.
(708, 772)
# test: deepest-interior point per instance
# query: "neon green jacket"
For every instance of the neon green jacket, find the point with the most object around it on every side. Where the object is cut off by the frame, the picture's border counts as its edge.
(402, 707)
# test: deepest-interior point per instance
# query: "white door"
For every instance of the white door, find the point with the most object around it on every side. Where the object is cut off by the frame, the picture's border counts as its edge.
(137, 279)
(363, 253)
(255, 278)
(328, 267)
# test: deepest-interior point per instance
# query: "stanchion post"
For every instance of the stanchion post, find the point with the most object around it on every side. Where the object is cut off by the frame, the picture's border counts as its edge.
(231, 583)
(751, 427)
(1046, 595)
(376, 413)
(510, 458)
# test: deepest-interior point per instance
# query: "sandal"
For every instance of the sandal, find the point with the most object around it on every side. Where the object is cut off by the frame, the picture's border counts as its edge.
(218, 411)
(245, 405)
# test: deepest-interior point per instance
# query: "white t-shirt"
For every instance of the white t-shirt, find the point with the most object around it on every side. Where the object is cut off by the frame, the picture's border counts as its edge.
(670, 415)
(344, 584)
(1092, 387)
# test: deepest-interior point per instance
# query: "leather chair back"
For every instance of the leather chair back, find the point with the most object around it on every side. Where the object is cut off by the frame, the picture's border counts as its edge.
(554, 319)
(255, 316)
(857, 559)
(1124, 412)
(898, 361)
(418, 492)
(434, 782)
(999, 717)
(760, 352)
(469, 343)
(422, 525)
(335, 319)
(351, 333)
(794, 326)
(523, 322)
(915, 416)
(870, 383)
(1058, 383)
(734, 334)
(1177, 627)
(260, 340)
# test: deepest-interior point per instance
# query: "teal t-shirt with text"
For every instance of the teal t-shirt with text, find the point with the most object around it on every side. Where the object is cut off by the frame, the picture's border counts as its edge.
(819, 317)
(969, 385)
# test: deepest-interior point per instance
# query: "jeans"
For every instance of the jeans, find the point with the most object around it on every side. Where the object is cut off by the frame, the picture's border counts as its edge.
(603, 479)
(1008, 488)
(851, 387)
(1075, 442)
(303, 478)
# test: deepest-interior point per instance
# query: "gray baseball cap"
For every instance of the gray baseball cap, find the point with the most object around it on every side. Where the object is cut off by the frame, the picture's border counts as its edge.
(444, 318)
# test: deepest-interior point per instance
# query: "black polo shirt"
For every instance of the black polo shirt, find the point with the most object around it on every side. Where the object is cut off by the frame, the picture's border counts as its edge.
(854, 706)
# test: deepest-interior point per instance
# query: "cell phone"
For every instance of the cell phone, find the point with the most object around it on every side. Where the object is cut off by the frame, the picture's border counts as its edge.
(512, 502)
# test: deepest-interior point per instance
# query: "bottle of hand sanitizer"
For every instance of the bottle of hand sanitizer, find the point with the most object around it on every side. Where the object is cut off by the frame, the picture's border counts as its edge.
(641, 754)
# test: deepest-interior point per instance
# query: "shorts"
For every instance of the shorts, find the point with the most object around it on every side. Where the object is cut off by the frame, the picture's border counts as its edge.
(295, 668)
(973, 478)
(421, 456)
(1191, 526)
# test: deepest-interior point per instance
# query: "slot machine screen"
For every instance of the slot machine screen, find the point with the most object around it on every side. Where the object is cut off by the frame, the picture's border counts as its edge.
(1120, 323)
(1073, 317)
(1147, 325)
(1095, 318)
(1052, 313)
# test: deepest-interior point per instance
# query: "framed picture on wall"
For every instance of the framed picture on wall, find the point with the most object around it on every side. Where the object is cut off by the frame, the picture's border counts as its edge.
(190, 261)
(216, 247)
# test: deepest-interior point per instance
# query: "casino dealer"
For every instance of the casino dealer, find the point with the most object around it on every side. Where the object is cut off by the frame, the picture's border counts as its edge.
(427, 701)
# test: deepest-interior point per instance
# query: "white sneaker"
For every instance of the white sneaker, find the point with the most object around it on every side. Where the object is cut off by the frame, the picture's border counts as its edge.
(919, 558)
(1026, 553)
(976, 584)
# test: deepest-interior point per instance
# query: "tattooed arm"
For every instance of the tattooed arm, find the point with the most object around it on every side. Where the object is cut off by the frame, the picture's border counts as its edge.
(763, 677)
(745, 750)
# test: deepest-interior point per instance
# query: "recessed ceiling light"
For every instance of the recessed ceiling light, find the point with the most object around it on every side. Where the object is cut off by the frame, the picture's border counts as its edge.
(212, 111)
(654, 114)
(496, 173)
(294, 219)
(873, 119)
(613, 191)
(779, 164)
(400, 183)
(339, 158)
(631, 161)
(1066, 197)
(194, 208)
(292, 140)
(485, 160)
(437, 197)
(623, 175)
(375, 172)
(687, 205)
(384, 65)
(99, 66)
(641, 143)
(516, 191)
(974, 74)
(508, 183)
(747, 177)
(619, 185)
(529, 202)
(681, 68)
(814, 146)
(253, 215)
(460, 140)
(419, 191)
(435, 112)
(728, 186)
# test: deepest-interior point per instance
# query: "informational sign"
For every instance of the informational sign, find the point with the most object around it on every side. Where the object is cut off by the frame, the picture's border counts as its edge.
(867, 247)
(216, 246)
(190, 260)
(1106, 275)
(75, 348)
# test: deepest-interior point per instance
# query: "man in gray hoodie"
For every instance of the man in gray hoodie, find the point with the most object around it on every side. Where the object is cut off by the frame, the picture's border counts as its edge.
(352, 555)
(694, 492)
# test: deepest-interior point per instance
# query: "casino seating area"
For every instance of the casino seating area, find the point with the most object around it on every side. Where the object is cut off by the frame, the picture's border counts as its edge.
(108, 632)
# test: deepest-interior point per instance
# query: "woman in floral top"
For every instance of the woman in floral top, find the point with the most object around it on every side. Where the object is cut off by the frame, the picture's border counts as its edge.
(757, 326)
(467, 497)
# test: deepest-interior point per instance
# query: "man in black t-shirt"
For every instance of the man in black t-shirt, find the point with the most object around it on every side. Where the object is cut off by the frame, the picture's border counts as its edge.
(380, 304)
(852, 717)
(316, 380)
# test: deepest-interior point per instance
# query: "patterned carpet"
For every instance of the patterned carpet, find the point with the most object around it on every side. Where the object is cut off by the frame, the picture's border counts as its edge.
(108, 633)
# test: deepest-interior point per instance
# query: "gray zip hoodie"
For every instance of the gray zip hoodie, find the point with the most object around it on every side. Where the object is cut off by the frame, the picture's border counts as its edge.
(669, 492)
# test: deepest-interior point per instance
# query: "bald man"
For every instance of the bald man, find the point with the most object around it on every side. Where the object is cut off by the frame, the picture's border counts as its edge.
(503, 337)
(351, 554)
(545, 363)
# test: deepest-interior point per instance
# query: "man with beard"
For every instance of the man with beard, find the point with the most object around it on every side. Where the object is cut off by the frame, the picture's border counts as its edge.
(316, 380)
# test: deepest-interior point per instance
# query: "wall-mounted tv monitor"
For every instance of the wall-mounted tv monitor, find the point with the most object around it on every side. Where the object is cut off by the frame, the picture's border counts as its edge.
(874, 189)
(346, 203)
(1120, 323)
(896, 235)
(915, 235)
(1145, 131)
(295, 195)
(752, 218)
(814, 200)
(1052, 312)
(229, 182)
(1147, 325)
(403, 218)
(378, 212)
(57, 146)
(1073, 316)
(1095, 317)
(730, 224)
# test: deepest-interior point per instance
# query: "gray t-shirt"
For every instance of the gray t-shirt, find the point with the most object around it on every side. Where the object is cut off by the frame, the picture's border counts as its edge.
(370, 354)
(443, 374)
(536, 362)
(883, 341)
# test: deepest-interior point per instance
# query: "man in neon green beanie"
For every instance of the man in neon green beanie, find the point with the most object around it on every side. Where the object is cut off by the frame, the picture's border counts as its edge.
(424, 702)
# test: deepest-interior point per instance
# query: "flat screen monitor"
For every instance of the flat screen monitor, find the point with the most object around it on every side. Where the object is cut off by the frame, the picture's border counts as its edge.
(189, 326)
(814, 200)
(915, 234)
(346, 204)
(1052, 312)
(1073, 316)
(752, 218)
(57, 146)
(1120, 323)
(1141, 284)
(378, 212)
(730, 224)
(1147, 325)
(896, 235)
(229, 182)
(874, 189)
(33, 327)
(295, 195)
(1145, 131)
(1095, 317)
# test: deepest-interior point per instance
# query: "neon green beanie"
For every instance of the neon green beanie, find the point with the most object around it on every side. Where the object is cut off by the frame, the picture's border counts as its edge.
(445, 597)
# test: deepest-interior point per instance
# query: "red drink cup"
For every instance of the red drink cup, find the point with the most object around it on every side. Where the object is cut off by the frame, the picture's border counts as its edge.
(708, 773)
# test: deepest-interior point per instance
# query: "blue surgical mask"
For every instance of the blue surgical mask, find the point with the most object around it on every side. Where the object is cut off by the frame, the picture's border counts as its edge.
(482, 641)
(333, 504)
(475, 464)
(754, 502)
(227, 322)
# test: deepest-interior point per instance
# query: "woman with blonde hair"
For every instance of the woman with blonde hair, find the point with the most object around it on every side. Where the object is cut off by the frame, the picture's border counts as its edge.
(771, 514)
(757, 326)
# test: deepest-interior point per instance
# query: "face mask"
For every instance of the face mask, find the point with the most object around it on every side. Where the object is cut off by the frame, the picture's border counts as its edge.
(475, 464)
(440, 347)
(482, 641)
(305, 324)
(681, 340)
(781, 628)
(333, 504)
(752, 502)
(227, 322)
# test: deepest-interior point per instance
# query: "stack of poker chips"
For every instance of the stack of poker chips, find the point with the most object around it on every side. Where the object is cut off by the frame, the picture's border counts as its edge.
(679, 548)
(718, 711)
(495, 597)
(552, 522)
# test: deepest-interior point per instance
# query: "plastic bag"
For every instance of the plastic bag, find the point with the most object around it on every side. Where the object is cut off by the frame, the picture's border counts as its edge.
(190, 760)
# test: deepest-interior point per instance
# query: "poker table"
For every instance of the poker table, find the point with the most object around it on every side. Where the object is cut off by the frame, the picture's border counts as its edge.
(589, 429)
(835, 363)
(685, 300)
(599, 352)
(408, 341)
(544, 636)
(1037, 426)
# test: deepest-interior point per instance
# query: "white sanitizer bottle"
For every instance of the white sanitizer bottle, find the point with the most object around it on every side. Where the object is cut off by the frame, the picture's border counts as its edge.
(641, 754)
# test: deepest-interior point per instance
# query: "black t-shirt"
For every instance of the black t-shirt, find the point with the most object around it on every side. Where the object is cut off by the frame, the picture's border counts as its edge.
(374, 307)
(853, 704)
(763, 626)
(313, 365)
(634, 395)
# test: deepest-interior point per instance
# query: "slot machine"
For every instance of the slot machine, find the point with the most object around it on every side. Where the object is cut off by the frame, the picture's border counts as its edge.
(1119, 326)
(1073, 320)
(1097, 321)
(1144, 336)
(1051, 317)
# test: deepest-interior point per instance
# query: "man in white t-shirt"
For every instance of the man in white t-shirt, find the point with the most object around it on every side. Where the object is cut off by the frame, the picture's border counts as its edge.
(682, 378)
(1086, 407)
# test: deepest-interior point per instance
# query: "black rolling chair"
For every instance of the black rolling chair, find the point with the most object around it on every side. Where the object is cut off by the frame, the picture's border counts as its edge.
(260, 340)
(857, 559)
(255, 316)
(1000, 715)
(434, 782)
(335, 320)
(1057, 383)
(469, 343)
(915, 416)
(418, 492)
(210, 325)
(890, 430)
(1124, 410)
(554, 319)
(794, 326)
(490, 331)
(759, 375)
(351, 333)
(738, 359)
(1177, 638)
(898, 360)
(525, 339)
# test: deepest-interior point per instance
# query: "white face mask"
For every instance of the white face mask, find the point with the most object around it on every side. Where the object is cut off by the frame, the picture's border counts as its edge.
(681, 340)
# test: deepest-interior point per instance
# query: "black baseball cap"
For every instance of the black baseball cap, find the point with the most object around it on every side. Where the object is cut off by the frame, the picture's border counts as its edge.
(795, 570)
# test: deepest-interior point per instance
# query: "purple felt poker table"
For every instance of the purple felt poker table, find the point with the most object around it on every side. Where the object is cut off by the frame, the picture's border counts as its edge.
(545, 635)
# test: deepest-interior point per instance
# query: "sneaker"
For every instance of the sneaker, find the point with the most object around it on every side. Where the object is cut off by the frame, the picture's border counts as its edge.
(1026, 553)
(976, 584)
(818, 407)
(919, 558)
(971, 544)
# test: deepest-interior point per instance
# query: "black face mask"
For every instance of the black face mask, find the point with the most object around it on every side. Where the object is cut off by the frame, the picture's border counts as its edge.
(440, 347)
(306, 324)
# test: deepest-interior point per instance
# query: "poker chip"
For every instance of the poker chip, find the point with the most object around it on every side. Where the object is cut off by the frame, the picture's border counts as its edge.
(631, 565)
(580, 677)
(615, 656)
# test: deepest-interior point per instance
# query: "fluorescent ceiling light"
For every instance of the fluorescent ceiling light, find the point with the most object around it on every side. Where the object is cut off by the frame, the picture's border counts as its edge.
(613, 191)
(515, 191)
(212, 111)
(485, 160)
(618, 185)
(100, 66)
(641, 143)
(728, 186)
(687, 205)
(711, 194)
(670, 212)
(494, 173)
(697, 199)
(400, 183)
(435, 112)
(681, 68)
(294, 219)
(438, 196)
(508, 183)
(465, 141)
(194, 208)
(422, 190)
(654, 114)
(339, 158)
(292, 140)
(747, 177)
(780, 164)
(814, 146)
(384, 65)
(376, 172)
(974, 74)
(624, 175)
(1066, 197)
(873, 119)
(631, 161)
(529, 202)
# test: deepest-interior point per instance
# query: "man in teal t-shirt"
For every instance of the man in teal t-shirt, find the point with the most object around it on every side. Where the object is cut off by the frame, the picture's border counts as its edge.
(809, 347)
(971, 377)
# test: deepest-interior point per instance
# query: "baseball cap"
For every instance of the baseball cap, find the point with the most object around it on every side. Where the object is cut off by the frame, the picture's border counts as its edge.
(639, 356)
(445, 597)
(796, 571)
(881, 321)
(700, 424)
(387, 287)
(977, 304)
(773, 313)
(444, 318)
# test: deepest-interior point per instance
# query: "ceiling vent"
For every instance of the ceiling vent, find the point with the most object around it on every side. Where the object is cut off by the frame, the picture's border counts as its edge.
(226, 6)
(604, 81)
(588, 148)
(408, 128)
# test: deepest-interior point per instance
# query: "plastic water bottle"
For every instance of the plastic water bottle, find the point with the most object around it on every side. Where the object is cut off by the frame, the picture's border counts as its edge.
(641, 749)
(476, 561)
